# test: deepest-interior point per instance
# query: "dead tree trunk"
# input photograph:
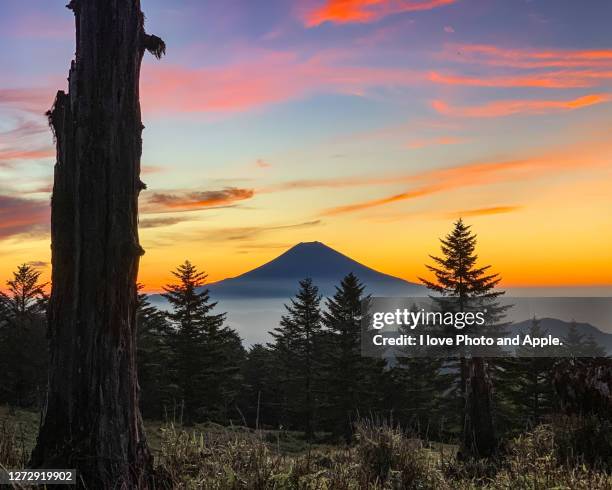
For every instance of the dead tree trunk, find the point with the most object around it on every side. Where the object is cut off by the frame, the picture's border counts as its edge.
(478, 432)
(92, 421)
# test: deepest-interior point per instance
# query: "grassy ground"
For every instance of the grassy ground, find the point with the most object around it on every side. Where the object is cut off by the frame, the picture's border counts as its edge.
(568, 454)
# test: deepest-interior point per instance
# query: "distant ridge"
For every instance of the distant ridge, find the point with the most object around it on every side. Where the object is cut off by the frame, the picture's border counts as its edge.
(560, 328)
(326, 266)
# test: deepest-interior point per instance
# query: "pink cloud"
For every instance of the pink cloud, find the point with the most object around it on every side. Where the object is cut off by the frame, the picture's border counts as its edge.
(19, 215)
(34, 100)
(275, 77)
(34, 25)
(8, 156)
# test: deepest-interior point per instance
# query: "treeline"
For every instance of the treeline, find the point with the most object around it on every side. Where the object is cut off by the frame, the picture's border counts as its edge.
(23, 342)
(311, 376)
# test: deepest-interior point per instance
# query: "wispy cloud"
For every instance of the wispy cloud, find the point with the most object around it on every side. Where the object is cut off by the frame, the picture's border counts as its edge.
(8, 156)
(556, 80)
(39, 264)
(402, 196)
(161, 222)
(350, 11)
(152, 169)
(35, 25)
(492, 55)
(248, 233)
(33, 100)
(19, 215)
(239, 236)
(435, 181)
(261, 163)
(467, 213)
(273, 77)
(195, 200)
(25, 128)
(502, 108)
(435, 141)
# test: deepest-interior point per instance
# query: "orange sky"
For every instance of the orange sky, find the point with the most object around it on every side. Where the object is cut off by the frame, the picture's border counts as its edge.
(369, 125)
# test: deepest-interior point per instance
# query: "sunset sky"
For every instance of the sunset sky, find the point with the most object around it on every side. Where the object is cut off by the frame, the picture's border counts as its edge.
(369, 125)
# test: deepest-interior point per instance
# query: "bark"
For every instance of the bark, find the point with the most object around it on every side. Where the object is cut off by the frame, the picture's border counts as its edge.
(479, 438)
(91, 418)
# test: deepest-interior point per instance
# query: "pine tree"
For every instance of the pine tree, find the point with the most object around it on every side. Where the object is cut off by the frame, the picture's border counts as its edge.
(154, 355)
(23, 343)
(297, 349)
(457, 276)
(351, 380)
(573, 340)
(525, 385)
(577, 344)
(206, 354)
(592, 348)
(260, 395)
(416, 394)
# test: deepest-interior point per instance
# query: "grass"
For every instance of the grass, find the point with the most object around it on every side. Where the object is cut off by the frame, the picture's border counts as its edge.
(557, 455)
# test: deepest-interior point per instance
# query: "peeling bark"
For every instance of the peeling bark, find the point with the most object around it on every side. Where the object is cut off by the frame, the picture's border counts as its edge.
(91, 420)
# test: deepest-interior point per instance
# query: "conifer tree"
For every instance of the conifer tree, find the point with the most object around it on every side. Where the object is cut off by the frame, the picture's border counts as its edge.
(525, 385)
(206, 354)
(297, 345)
(458, 276)
(416, 394)
(352, 381)
(260, 395)
(592, 348)
(26, 295)
(154, 355)
(577, 344)
(23, 343)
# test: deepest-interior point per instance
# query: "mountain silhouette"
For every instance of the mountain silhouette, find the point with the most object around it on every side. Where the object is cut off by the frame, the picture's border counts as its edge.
(324, 265)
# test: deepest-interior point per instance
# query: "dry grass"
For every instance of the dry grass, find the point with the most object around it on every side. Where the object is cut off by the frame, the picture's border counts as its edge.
(559, 455)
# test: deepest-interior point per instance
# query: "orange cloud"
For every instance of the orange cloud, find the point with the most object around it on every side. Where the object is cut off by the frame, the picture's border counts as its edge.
(152, 169)
(525, 58)
(458, 174)
(419, 192)
(247, 233)
(559, 79)
(196, 200)
(478, 174)
(483, 211)
(161, 222)
(348, 11)
(509, 107)
(441, 140)
(261, 163)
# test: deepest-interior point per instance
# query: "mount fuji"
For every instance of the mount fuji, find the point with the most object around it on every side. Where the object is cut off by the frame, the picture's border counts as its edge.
(324, 265)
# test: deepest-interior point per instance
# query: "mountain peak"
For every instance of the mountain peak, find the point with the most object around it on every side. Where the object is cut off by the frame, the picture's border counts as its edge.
(304, 245)
(326, 266)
